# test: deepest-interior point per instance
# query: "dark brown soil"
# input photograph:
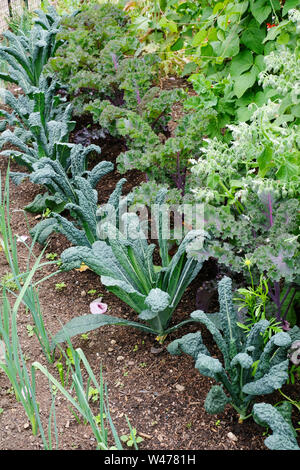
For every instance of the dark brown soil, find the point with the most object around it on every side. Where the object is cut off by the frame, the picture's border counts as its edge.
(162, 395)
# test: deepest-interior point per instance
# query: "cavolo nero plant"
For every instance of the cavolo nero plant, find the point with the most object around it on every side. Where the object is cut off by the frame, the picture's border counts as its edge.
(84, 207)
(41, 123)
(250, 368)
(124, 260)
(74, 191)
(42, 139)
(43, 100)
(26, 55)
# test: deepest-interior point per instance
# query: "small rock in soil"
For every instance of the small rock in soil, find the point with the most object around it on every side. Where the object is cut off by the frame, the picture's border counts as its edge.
(156, 350)
(232, 437)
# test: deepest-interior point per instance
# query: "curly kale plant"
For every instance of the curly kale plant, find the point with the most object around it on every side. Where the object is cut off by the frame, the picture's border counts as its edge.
(249, 369)
(86, 213)
(151, 147)
(96, 42)
(264, 237)
(125, 263)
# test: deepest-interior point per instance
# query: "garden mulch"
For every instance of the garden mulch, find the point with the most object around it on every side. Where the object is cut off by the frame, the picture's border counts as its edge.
(162, 395)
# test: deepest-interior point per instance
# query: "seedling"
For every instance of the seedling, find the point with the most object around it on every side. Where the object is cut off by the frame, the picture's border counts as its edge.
(46, 214)
(93, 394)
(70, 356)
(51, 256)
(85, 336)
(92, 292)
(8, 281)
(98, 418)
(132, 438)
(30, 330)
(294, 373)
(60, 286)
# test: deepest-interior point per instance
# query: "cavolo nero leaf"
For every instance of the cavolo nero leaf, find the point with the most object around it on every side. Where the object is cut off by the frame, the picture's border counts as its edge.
(283, 437)
(240, 351)
(83, 324)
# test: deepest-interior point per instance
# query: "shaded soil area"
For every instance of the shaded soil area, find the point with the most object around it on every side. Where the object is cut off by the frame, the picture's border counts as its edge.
(162, 395)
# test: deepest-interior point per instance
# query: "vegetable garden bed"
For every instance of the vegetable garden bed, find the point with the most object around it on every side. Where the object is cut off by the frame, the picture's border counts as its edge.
(171, 137)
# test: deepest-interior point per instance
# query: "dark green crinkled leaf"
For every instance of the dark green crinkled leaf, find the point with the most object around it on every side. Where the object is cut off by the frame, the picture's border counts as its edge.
(283, 436)
(83, 324)
(216, 400)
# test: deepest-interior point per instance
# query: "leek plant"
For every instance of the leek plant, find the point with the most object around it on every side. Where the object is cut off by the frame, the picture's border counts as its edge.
(29, 296)
(12, 360)
(80, 402)
(24, 383)
(14, 364)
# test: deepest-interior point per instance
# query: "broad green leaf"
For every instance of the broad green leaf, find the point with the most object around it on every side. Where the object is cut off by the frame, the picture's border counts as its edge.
(265, 161)
(199, 38)
(218, 6)
(260, 98)
(295, 110)
(44, 201)
(213, 180)
(260, 9)
(241, 62)
(285, 103)
(289, 5)
(283, 38)
(228, 48)
(253, 38)
(288, 171)
(244, 114)
(85, 323)
(259, 61)
(179, 44)
(245, 81)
